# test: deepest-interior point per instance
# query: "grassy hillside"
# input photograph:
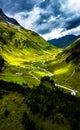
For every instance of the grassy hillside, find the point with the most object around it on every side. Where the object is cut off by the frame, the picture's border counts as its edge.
(29, 57)
(73, 52)
(30, 68)
(66, 67)
(24, 51)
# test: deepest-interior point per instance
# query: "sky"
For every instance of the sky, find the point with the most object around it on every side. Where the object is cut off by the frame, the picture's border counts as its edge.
(50, 18)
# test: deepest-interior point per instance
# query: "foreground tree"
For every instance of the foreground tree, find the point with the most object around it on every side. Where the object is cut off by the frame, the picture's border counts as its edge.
(1, 63)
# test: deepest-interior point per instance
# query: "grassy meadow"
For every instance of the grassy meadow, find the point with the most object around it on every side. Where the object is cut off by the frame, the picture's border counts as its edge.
(29, 99)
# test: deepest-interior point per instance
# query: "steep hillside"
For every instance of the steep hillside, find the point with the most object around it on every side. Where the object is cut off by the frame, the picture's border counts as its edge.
(73, 52)
(66, 67)
(12, 34)
(64, 41)
(23, 50)
(37, 81)
(29, 57)
(15, 39)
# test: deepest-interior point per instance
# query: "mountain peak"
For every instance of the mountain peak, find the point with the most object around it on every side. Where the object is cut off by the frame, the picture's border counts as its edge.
(2, 15)
(7, 19)
(64, 41)
(1, 11)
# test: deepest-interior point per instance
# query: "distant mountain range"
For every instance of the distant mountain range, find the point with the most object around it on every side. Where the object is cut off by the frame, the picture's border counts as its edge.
(64, 41)
(3, 17)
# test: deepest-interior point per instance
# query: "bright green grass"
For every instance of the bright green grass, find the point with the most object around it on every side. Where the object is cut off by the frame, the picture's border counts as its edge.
(23, 55)
(41, 73)
(27, 59)
(10, 74)
(62, 70)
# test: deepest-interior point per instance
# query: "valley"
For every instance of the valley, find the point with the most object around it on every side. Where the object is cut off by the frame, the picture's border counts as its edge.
(34, 63)
(39, 82)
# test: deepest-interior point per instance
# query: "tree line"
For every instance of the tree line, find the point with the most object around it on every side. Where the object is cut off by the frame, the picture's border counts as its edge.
(49, 103)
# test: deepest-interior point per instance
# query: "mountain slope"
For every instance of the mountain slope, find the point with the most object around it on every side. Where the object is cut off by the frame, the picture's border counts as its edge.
(6, 19)
(29, 98)
(23, 50)
(66, 67)
(64, 41)
(16, 38)
(73, 52)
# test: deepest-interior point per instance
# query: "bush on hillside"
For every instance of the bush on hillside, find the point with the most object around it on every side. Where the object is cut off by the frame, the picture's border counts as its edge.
(1, 63)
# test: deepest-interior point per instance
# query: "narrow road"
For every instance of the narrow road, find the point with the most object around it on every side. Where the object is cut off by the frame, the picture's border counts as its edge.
(71, 75)
(63, 87)
(50, 74)
(33, 75)
(73, 92)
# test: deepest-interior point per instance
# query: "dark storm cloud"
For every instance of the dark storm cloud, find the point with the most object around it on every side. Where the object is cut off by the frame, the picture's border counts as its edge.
(43, 19)
(52, 5)
(55, 7)
(44, 31)
(16, 5)
(44, 16)
(73, 23)
(44, 4)
(46, 24)
(23, 5)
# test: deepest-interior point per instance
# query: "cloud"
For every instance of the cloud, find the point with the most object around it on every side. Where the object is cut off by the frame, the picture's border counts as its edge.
(57, 33)
(46, 17)
(18, 5)
(27, 19)
(53, 34)
(71, 6)
(72, 23)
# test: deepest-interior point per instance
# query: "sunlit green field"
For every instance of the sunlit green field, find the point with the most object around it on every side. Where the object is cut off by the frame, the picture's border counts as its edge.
(29, 57)
(23, 51)
(31, 67)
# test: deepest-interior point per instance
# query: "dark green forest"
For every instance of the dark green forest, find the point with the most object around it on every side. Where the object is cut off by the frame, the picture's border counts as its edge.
(48, 102)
